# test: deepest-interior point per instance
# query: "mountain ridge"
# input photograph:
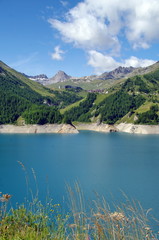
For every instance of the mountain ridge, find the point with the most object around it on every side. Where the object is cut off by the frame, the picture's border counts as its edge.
(132, 100)
(60, 79)
(60, 76)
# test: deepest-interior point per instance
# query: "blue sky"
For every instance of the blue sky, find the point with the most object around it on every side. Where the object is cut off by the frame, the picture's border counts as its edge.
(78, 37)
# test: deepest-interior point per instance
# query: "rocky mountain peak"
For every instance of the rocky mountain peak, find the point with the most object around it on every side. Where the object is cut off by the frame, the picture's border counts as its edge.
(60, 76)
(117, 73)
(124, 70)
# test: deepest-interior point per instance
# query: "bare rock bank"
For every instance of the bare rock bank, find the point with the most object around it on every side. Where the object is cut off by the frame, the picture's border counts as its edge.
(122, 127)
(139, 129)
(67, 128)
(48, 128)
(96, 127)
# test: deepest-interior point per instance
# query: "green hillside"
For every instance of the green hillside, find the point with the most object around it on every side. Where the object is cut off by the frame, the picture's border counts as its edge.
(134, 100)
(20, 96)
(98, 83)
(85, 84)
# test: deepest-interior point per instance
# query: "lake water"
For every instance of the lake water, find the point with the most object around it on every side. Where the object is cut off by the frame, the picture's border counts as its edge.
(106, 163)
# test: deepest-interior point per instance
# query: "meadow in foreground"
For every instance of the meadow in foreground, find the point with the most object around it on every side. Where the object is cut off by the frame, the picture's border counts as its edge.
(37, 221)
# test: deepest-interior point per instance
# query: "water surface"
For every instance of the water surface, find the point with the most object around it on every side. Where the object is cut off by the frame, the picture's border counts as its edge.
(106, 163)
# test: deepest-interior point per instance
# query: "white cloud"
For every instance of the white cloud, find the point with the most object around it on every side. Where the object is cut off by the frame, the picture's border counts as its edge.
(97, 24)
(85, 29)
(57, 54)
(101, 63)
(104, 63)
(137, 62)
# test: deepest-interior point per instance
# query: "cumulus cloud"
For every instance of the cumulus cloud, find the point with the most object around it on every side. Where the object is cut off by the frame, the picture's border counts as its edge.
(104, 63)
(105, 26)
(86, 29)
(57, 54)
(101, 63)
(137, 62)
(98, 24)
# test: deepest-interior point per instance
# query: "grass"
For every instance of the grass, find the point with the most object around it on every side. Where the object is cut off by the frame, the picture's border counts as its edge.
(86, 85)
(100, 98)
(76, 104)
(143, 108)
(94, 222)
(32, 84)
(85, 220)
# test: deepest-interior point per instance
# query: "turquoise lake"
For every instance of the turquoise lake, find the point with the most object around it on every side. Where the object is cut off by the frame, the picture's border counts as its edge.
(104, 163)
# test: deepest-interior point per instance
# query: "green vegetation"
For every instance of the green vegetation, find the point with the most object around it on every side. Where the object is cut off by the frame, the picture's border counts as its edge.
(18, 98)
(85, 84)
(118, 105)
(64, 98)
(42, 115)
(76, 104)
(125, 101)
(96, 221)
(81, 112)
(100, 98)
(15, 97)
(149, 117)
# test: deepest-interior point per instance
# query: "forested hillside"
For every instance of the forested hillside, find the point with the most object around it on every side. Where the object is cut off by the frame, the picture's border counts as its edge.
(134, 100)
(19, 98)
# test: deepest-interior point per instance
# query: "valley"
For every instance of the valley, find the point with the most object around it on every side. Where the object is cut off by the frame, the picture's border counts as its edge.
(134, 98)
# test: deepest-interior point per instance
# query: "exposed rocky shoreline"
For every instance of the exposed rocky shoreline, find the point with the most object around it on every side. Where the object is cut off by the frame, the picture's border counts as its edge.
(122, 127)
(48, 128)
(139, 129)
(67, 128)
(96, 127)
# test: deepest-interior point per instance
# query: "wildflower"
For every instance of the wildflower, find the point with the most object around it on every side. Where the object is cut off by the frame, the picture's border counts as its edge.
(5, 197)
(147, 229)
(99, 215)
(117, 216)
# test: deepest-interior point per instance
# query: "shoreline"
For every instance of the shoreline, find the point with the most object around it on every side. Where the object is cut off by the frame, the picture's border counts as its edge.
(122, 127)
(69, 129)
(138, 129)
(36, 129)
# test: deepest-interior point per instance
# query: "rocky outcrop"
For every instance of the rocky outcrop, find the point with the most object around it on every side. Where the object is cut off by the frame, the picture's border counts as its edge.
(59, 77)
(120, 72)
(67, 128)
(140, 129)
(41, 78)
(122, 127)
(96, 127)
(48, 128)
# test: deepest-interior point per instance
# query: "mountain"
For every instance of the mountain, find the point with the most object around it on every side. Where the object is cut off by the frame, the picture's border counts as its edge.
(93, 82)
(32, 84)
(144, 70)
(132, 100)
(41, 78)
(118, 73)
(59, 77)
(22, 97)
(105, 80)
